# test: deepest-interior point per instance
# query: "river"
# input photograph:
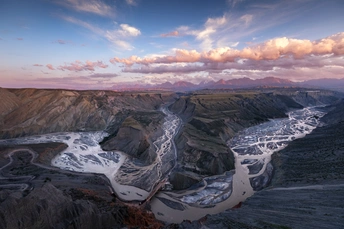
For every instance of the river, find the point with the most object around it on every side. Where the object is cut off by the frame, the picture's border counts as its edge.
(252, 149)
(84, 154)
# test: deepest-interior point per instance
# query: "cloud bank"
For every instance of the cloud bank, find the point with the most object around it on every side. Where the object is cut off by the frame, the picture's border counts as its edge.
(279, 52)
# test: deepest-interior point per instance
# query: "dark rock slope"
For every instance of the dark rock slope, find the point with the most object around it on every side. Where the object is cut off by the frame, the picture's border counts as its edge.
(307, 188)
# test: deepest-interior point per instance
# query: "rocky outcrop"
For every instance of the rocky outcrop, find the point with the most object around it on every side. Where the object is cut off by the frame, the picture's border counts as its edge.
(136, 135)
(182, 180)
(184, 108)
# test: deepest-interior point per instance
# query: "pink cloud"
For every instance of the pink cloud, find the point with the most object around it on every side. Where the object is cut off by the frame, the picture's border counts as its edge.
(270, 50)
(181, 55)
(77, 66)
(38, 65)
(170, 34)
(50, 66)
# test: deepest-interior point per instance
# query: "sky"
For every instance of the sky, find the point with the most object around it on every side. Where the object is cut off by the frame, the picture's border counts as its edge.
(98, 44)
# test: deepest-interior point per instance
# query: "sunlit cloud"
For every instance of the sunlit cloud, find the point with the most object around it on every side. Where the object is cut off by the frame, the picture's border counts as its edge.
(271, 58)
(270, 50)
(127, 30)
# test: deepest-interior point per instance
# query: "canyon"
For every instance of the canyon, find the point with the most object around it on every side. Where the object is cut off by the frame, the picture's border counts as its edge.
(130, 125)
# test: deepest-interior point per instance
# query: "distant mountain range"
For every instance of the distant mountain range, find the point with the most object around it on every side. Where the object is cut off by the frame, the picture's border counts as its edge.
(333, 84)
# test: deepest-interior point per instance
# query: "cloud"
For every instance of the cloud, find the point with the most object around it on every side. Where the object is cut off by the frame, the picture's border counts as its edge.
(205, 34)
(210, 27)
(38, 65)
(89, 6)
(128, 31)
(233, 3)
(118, 37)
(131, 2)
(247, 18)
(82, 23)
(170, 34)
(61, 42)
(181, 55)
(80, 66)
(20, 38)
(253, 17)
(50, 66)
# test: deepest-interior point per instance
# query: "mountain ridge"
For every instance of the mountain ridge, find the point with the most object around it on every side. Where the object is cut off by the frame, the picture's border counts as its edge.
(236, 83)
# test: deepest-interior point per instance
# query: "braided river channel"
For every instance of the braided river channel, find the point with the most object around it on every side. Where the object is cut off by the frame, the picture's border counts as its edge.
(252, 149)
